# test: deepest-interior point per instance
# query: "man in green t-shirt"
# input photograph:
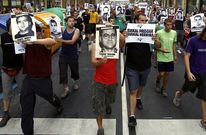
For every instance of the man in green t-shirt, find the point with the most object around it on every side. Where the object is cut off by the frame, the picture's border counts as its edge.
(166, 55)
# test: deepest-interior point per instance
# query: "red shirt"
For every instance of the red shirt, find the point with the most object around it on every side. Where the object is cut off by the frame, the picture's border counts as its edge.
(37, 61)
(107, 73)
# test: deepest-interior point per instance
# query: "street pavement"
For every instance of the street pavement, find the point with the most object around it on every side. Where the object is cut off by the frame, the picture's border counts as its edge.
(159, 116)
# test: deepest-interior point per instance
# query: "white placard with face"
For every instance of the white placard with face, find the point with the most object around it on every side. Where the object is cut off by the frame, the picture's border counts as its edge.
(55, 27)
(105, 13)
(23, 27)
(107, 42)
(197, 22)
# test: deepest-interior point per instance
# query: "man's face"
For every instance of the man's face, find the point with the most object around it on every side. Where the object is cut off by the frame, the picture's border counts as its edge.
(23, 23)
(179, 14)
(106, 10)
(70, 22)
(163, 12)
(53, 27)
(119, 9)
(109, 38)
(168, 26)
(142, 19)
(198, 20)
(75, 14)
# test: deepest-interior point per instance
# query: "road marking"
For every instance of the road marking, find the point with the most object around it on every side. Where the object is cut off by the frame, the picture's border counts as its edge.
(125, 128)
(169, 127)
(61, 126)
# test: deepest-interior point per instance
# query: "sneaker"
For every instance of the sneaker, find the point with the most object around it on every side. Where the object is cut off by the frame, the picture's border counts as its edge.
(4, 120)
(65, 93)
(60, 109)
(139, 104)
(108, 110)
(58, 104)
(76, 85)
(164, 92)
(177, 99)
(132, 121)
(100, 131)
(157, 89)
(203, 124)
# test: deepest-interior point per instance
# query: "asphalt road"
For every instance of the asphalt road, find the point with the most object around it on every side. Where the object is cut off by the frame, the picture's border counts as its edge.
(78, 104)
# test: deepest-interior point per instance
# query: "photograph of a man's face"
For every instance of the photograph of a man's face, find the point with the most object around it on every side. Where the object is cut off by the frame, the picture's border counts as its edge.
(105, 13)
(119, 10)
(23, 27)
(197, 22)
(24, 23)
(179, 15)
(55, 28)
(107, 39)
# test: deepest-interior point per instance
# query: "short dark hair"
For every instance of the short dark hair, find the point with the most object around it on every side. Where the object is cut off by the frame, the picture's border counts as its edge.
(28, 17)
(138, 15)
(119, 7)
(105, 7)
(109, 19)
(53, 21)
(68, 17)
(168, 20)
(198, 16)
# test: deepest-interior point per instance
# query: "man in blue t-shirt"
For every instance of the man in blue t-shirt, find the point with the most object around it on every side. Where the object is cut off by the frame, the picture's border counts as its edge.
(195, 63)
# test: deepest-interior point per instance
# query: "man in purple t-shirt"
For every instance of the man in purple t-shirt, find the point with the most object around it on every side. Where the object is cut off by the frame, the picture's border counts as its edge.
(195, 77)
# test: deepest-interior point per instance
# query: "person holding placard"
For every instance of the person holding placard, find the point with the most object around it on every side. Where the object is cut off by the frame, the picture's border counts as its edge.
(138, 64)
(25, 24)
(104, 83)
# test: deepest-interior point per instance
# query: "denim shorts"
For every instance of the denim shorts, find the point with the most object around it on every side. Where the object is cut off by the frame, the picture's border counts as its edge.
(165, 66)
(136, 78)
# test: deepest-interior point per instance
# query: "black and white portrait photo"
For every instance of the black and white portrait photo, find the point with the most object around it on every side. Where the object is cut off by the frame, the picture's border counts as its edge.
(163, 13)
(55, 28)
(197, 22)
(171, 11)
(179, 15)
(23, 27)
(105, 12)
(107, 39)
(119, 11)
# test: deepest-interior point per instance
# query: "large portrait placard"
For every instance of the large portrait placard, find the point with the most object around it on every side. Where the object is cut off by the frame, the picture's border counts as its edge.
(107, 42)
(197, 22)
(105, 13)
(55, 27)
(23, 27)
(140, 33)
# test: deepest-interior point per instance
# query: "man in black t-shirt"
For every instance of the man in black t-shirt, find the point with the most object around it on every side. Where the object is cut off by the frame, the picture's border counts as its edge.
(138, 65)
(86, 18)
(11, 67)
(78, 23)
